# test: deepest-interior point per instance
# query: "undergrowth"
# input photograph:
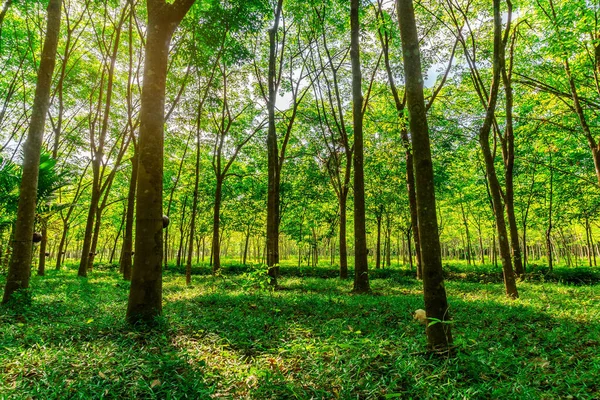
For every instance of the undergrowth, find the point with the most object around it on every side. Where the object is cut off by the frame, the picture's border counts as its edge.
(231, 336)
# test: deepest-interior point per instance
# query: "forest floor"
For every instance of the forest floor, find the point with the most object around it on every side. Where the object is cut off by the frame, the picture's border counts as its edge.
(232, 337)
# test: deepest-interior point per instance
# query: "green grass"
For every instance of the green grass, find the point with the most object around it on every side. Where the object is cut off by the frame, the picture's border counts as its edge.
(224, 337)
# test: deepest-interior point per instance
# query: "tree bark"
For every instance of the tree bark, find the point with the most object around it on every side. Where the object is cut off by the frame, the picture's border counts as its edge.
(188, 264)
(378, 246)
(273, 156)
(494, 184)
(343, 240)
(19, 267)
(508, 151)
(126, 252)
(361, 267)
(43, 245)
(439, 336)
(145, 295)
(216, 242)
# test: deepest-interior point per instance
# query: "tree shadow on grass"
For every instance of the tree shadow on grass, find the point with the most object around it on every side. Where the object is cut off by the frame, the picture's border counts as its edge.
(312, 340)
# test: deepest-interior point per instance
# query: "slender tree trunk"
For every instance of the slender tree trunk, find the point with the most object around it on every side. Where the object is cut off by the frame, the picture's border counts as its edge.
(361, 267)
(19, 267)
(466, 224)
(61, 247)
(43, 245)
(494, 185)
(378, 246)
(114, 247)
(508, 152)
(245, 246)
(439, 336)
(389, 241)
(145, 295)
(273, 156)
(188, 264)
(343, 241)
(549, 227)
(216, 243)
(88, 235)
(127, 249)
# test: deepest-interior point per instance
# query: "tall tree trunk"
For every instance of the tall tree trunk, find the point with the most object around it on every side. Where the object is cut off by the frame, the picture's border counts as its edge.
(118, 235)
(378, 246)
(216, 242)
(145, 295)
(361, 266)
(343, 242)
(89, 231)
(466, 224)
(245, 246)
(62, 245)
(549, 227)
(43, 246)
(508, 151)
(273, 156)
(410, 176)
(19, 267)
(494, 184)
(439, 336)
(127, 249)
(188, 264)
(388, 257)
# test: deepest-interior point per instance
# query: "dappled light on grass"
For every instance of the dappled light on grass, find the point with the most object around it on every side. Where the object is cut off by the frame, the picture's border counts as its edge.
(224, 337)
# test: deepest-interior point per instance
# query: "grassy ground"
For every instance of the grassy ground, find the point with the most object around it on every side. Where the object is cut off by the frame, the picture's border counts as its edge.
(227, 337)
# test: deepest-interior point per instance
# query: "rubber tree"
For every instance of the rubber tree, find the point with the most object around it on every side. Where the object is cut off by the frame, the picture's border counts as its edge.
(439, 335)
(361, 267)
(145, 294)
(19, 267)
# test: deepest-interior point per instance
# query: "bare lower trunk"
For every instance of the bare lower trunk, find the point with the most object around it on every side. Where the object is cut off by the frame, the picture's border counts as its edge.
(127, 250)
(43, 245)
(378, 246)
(216, 242)
(87, 237)
(245, 247)
(343, 243)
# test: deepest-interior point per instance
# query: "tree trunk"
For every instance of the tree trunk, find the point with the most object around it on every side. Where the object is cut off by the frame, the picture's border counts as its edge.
(127, 250)
(549, 228)
(273, 156)
(466, 224)
(145, 295)
(361, 267)
(188, 264)
(89, 231)
(118, 235)
(216, 243)
(62, 245)
(43, 245)
(19, 267)
(245, 247)
(439, 336)
(378, 246)
(343, 242)
(388, 257)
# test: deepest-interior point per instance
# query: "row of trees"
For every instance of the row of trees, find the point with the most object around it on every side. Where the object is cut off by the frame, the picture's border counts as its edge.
(509, 95)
